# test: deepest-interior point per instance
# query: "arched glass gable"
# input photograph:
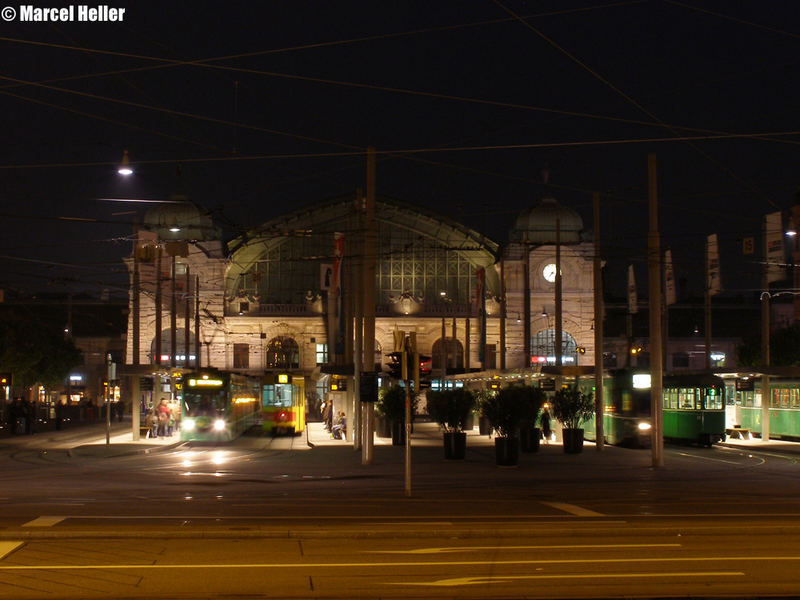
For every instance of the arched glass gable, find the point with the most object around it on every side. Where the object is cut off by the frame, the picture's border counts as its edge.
(543, 348)
(417, 255)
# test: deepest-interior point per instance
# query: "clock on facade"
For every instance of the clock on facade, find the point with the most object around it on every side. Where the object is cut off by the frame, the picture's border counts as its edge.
(549, 272)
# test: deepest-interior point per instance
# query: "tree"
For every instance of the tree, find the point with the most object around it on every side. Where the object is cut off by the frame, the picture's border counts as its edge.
(572, 407)
(35, 352)
(784, 348)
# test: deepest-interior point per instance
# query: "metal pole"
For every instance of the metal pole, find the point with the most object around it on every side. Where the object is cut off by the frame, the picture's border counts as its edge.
(406, 372)
(708, 309)
(173, 320)
(526, 307)
(558, 343)
(135, 305)
(197, 321)
(654, 280)
(186, 322)
(370, 237)
(158, 307)
(765, 318)
(503, 315)
(598, 330)
(108, 398)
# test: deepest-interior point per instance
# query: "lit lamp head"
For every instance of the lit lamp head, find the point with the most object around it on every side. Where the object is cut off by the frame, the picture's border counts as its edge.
(125, 168)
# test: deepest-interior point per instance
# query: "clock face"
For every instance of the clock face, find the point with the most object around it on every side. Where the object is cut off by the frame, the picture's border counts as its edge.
(549, 272)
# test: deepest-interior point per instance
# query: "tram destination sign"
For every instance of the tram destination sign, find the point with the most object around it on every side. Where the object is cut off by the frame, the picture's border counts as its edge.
(548, 385)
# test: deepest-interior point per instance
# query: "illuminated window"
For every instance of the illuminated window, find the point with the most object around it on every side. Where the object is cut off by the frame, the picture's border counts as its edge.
(322, 354)
(283, 353)
(241, 356)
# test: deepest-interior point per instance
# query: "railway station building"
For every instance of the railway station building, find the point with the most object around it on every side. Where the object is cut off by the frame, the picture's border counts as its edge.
(279, 296)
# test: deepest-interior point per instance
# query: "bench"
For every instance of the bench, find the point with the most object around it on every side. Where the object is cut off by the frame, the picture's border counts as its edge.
(738, 433)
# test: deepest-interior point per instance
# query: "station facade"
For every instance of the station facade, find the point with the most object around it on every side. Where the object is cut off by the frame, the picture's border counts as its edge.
(278, 297)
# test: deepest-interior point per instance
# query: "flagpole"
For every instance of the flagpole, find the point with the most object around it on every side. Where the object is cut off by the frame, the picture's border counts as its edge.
(708, 305)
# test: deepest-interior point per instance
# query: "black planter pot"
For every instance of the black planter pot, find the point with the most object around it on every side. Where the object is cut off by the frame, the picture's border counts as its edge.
(398, 433)
(469, 422)
(573, 441)
(383, 427)
(529, 439)
(455, 445)
(484, 426)
(506, 451)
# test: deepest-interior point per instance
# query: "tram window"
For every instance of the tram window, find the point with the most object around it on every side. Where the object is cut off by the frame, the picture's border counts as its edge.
(775, 398)
(686, 396)
(627, 401)
(277, 395)
(795, 397)
(713, 399)
(671, 398)
(757, 399)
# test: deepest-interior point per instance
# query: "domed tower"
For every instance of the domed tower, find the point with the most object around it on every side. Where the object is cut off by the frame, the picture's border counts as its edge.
(180, 220)
(537, 225)
(537, 314)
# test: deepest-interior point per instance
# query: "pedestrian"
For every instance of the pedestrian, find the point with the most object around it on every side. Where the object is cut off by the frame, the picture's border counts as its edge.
(162, 414)
(327, 414)
(16, 414)
(544, 425)
(152, 423)
(29, 414)
(60, 408)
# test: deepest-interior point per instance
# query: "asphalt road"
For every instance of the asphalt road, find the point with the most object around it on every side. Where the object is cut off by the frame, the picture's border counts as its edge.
(279, 519)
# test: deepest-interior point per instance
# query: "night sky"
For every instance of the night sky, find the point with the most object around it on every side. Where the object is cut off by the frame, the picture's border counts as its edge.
(467, 103)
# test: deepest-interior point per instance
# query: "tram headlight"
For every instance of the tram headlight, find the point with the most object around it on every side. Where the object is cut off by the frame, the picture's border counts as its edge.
(188, 424)
(644, 426)
(219, 425)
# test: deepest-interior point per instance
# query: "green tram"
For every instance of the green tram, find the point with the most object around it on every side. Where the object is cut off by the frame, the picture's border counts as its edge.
(218, 406)
(693, 409)
(745, 408)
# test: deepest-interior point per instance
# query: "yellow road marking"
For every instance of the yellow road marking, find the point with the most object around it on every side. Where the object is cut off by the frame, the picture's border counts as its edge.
(452, 549)
(574, 510)
(460, 581)
(7, 548)
(427, 563)
(44, 522)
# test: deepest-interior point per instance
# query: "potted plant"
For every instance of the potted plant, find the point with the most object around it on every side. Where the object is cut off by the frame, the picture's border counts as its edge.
(531, 400)
(504, 412)
(484, 425)
(383, 426)
(571, 407)
(392, 404)
(452, 409)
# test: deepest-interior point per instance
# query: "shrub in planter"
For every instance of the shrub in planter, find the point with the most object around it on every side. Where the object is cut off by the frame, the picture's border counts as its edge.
(531, 400)
(571, 407)
(505, 411)
(451, 409)
(391, 405)
(484, 425)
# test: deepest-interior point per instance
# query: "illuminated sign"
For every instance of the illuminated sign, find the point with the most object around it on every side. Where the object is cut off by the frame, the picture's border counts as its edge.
(205, 382)
(641, 381)
(283, 378)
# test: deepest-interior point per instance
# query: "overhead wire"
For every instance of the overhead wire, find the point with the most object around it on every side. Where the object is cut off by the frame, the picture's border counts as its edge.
(629, 99)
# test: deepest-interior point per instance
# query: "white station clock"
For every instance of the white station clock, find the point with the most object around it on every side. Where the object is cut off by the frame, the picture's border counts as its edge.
(549, 272)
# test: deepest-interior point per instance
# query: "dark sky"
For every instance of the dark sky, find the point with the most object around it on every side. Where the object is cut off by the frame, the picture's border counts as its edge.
(487, 95)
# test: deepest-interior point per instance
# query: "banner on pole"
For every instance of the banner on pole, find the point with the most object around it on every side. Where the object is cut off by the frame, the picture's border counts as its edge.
(713, 282)
(669, 279)
(775, 257)
(633, 301)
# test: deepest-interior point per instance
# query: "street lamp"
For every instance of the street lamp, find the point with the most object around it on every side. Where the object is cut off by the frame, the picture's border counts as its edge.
(125, 168)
